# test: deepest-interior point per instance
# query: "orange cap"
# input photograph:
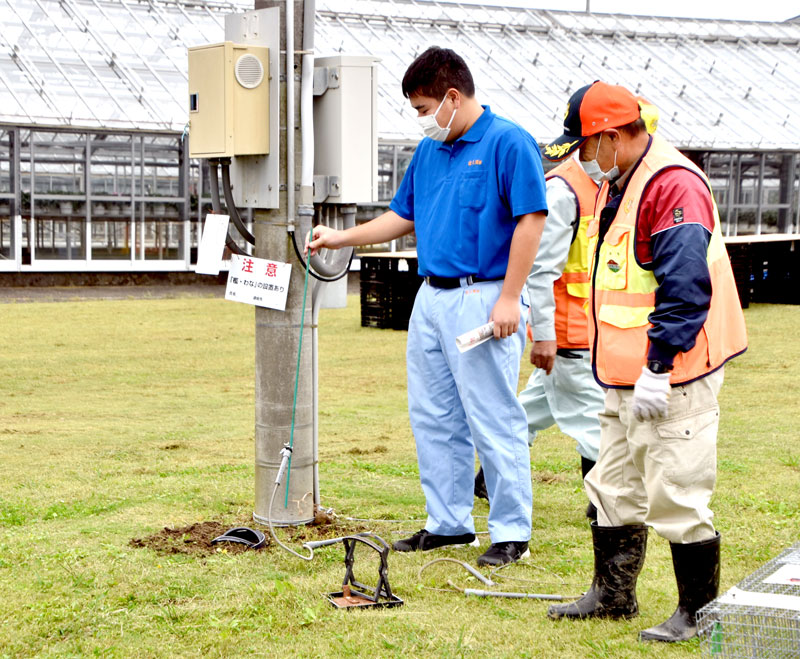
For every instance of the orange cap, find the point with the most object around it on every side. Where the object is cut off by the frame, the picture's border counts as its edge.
(591, 110)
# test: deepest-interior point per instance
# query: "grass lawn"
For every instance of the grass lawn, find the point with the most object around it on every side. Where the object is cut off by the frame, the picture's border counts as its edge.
(120, 418)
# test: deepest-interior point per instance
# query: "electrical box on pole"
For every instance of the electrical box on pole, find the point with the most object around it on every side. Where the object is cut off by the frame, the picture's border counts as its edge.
(346, 129)
(345, 145)
(234, 109)
(228, 88)
(255, 179)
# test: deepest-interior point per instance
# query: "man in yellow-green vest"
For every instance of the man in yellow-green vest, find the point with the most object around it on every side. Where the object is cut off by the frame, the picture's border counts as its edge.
(664, 317)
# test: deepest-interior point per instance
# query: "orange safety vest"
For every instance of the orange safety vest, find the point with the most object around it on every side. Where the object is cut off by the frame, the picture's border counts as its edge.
(571, 290)
(623, 293)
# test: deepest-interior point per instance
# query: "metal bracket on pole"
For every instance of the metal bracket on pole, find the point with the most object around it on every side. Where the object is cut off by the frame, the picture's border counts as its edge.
(326, 187)
(325, 78)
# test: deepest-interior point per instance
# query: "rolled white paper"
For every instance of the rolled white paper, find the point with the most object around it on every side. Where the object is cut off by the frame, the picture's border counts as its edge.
(469, 340)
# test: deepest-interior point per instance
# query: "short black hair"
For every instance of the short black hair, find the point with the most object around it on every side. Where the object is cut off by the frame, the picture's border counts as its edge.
(634, 128)
(436, 71)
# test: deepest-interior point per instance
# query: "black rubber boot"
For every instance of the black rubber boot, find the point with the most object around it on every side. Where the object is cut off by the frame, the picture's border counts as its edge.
(697, 573)
(618, 558)
(480, 485)
(586, 465)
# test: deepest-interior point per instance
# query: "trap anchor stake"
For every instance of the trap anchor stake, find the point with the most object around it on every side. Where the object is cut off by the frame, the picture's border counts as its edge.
(356, 594)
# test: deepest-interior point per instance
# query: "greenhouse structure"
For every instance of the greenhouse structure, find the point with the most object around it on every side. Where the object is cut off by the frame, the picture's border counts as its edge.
(95, 174)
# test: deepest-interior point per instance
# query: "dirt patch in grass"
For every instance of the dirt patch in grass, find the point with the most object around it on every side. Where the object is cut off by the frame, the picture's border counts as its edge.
(195, 539)
(367, 451)
(548, 477)
(319, 531)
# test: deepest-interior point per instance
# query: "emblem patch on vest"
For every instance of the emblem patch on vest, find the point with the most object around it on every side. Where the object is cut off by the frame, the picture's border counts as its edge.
(613, 265)
(677, 215)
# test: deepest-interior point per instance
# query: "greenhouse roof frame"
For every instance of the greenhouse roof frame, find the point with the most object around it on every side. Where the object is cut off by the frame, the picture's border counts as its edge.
(100, 63)
(121, 65)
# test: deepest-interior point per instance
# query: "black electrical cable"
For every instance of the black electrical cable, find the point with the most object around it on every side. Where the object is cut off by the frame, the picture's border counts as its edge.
(314, 274)
(230, 243)
(234, 215)
(213, 179)
(232, 211)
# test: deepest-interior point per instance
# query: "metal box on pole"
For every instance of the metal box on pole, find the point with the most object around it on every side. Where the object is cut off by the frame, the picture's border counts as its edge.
(256, 178)
(345, 130)
(228, 92)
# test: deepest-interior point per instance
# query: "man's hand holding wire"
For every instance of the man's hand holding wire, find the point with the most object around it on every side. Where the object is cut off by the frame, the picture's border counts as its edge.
(323, 236)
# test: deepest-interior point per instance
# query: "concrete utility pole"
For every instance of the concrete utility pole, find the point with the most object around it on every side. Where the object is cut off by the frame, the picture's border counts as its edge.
(277, 332)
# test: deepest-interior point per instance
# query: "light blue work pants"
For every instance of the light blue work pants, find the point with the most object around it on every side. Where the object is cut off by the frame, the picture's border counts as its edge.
(569, 397)
(462, 402)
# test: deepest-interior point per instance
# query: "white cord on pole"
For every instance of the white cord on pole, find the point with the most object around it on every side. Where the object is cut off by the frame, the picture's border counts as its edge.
(275, 537)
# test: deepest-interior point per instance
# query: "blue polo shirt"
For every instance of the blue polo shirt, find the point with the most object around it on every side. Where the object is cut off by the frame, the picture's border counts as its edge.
(464, 197)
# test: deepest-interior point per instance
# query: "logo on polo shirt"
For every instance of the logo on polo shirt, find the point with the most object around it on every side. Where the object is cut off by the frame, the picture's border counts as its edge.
(474, 162)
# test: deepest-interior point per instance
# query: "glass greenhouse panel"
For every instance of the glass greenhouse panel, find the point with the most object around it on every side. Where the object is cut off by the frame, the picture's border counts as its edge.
(59, 238)
(111, 239)
(6, 236)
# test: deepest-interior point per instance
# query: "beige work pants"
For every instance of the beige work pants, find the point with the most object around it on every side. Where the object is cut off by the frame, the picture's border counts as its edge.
(660, 473)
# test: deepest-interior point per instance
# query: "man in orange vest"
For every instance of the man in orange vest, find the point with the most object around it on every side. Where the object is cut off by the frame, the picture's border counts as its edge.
(664, 317)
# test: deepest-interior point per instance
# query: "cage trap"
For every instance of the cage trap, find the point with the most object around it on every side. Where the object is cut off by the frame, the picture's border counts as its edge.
(759, 618)
(355, 594)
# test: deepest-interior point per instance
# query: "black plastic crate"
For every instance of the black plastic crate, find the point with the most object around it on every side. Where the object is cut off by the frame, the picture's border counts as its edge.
(742, 266)
(776, 272)
(389, 285)
(376, 315)
(388, 268)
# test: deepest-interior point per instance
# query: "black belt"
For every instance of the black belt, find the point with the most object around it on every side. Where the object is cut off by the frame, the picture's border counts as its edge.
(456, 282)
(570, 353)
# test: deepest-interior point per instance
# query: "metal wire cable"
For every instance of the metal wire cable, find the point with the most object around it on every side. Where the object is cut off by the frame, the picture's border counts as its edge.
(494, 573)
(306, 263)
(490, 582)
(486, 580)
(272, 530)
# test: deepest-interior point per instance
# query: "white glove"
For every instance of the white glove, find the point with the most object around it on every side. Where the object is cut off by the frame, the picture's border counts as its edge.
(650, 396)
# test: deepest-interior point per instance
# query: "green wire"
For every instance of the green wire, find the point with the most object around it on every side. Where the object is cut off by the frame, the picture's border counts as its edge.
(297, 375)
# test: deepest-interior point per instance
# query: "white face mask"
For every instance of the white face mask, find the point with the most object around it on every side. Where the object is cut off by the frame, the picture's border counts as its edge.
(431, 127)
(594, 171)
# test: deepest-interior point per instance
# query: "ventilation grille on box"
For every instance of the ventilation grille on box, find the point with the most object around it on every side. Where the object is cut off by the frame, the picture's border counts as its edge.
(249, 72)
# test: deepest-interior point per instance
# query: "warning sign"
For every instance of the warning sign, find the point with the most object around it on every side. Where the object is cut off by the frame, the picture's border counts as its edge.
(259, 282)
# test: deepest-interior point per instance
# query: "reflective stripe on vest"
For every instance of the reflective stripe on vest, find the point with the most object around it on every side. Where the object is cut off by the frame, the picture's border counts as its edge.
(571, 290)
(623, 293)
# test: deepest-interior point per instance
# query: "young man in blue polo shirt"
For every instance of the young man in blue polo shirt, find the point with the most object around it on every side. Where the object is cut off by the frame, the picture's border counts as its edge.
(474, 192)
